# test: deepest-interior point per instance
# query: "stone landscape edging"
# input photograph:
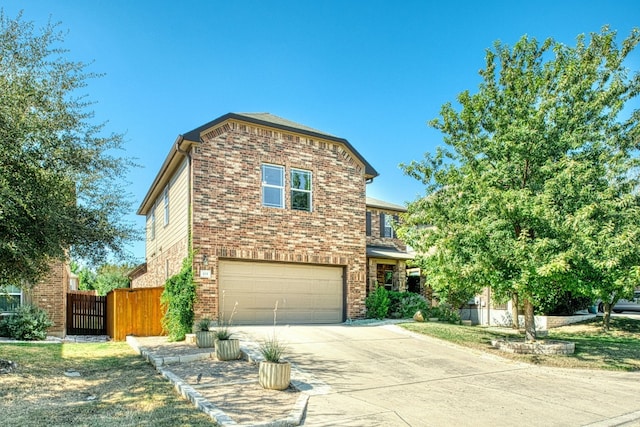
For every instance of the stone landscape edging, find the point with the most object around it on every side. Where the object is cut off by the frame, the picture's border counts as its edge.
(250, 353)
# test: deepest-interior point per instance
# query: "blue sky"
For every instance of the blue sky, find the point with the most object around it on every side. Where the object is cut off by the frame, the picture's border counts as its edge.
(373, 72)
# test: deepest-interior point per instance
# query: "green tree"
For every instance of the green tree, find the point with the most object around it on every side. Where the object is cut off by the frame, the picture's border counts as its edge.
(61, 182)
(540, 162)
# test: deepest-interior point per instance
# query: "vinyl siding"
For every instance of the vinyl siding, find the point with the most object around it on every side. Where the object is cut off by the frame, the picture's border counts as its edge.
(177, 228)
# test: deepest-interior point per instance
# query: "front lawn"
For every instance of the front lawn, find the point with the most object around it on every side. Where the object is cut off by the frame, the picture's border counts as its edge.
(618, 349)
(116, 387)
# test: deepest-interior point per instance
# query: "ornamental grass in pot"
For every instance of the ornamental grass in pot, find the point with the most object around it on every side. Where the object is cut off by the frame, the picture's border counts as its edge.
(273, 372)
(227, 348)
(205, 338)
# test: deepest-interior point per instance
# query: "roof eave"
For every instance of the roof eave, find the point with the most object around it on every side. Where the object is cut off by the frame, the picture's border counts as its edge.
(162, 176)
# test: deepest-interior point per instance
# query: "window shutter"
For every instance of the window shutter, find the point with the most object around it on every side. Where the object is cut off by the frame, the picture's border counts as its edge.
(381, 225)
(368, 223)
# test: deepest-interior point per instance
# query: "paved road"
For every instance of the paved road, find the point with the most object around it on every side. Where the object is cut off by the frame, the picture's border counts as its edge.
(382, 375)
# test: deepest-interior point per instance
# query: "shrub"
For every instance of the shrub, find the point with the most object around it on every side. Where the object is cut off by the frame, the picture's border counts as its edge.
(178, 298)
(445, 313)
(561, 303)
(4, 330)
(28, 323)
(377, 303)
(404, 305)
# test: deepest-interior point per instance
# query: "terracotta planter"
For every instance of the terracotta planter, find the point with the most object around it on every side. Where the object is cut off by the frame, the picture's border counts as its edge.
(205, 339)
(228, 349)
(274, 376)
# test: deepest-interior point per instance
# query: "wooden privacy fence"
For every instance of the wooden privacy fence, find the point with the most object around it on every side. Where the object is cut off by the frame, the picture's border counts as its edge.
(134, 312)
(86, 313)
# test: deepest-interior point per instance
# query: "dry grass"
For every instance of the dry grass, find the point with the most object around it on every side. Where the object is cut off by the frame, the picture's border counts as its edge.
(116, 388)
(618, 349)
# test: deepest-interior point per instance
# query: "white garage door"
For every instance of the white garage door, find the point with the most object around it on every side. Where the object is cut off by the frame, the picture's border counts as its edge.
(305, 293)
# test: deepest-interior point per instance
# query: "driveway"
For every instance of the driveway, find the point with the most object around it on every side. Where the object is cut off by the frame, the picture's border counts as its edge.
(384, 375)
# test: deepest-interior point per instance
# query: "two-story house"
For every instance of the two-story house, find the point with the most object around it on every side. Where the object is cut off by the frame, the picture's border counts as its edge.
(274, 213)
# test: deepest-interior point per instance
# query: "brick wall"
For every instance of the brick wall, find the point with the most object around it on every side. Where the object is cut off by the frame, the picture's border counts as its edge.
(162, 265)
(375, 239)
(50, 294)
(230, 222)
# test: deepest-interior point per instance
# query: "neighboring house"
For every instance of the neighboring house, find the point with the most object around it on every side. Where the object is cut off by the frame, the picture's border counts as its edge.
(50, 294)
(386, 254)
(274, 211)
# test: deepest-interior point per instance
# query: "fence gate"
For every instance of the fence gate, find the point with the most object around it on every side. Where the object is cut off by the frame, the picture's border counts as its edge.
(86, 314)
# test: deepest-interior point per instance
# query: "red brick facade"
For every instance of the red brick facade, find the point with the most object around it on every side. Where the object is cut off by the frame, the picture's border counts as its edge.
(50, 294)
(229, 220)
(159, 268)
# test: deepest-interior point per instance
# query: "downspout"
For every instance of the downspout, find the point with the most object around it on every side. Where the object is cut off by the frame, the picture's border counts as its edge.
(187, 154)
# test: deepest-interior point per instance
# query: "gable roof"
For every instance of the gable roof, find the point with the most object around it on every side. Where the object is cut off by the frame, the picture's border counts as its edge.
(267, 119)
(381, 204)
(263, 119)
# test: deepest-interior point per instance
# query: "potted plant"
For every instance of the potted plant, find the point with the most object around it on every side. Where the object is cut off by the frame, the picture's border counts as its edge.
(227, 348)
(273, 373)
(204, 336)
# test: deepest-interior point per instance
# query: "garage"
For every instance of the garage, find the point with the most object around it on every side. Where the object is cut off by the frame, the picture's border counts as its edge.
(305, 293)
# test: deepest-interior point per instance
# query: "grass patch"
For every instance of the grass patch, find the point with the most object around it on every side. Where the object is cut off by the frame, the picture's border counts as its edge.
(618, 349)
(116, 388)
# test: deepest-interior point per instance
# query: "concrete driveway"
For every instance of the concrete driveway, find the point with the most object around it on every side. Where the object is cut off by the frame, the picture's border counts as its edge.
(386, 376)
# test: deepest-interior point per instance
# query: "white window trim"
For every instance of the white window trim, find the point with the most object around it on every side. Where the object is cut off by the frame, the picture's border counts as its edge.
(165, 197)
(388, 225)
(5, 292)
(267, 185)
(299, 190)
(153, 224)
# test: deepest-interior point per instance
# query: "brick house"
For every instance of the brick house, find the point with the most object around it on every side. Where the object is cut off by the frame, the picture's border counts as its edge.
(387, 255)
(274, 212)
(50, 294)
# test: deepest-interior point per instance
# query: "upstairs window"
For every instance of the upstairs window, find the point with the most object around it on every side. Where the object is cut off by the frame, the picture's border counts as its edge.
(386, 225)
(153, 224)
(300, 190)
(10, 299)
(368, 223)
(273, 186)
(165, 196)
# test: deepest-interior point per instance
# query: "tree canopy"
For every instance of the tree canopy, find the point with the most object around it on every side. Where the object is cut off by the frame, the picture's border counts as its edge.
(537, 189)
(61, 178)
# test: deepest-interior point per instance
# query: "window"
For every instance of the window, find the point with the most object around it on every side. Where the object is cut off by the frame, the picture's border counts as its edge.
(153, 224)
(368, 223)
(386, 225)
(10, 299)
(301, 190)
(165, 196)
(273, 186)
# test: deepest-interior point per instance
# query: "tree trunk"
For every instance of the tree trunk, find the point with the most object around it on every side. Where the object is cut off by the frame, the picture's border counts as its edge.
(529, 321)
(515, 314)
(606, 317)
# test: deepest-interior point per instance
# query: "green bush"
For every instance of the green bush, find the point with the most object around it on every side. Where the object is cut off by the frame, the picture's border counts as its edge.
(561, 303)
(28, 323)
(404, 305)
(377, 303)
(4, 330)
(178, 298)
(445, 313)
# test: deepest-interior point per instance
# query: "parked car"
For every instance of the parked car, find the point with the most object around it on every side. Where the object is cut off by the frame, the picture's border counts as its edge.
(625, 304)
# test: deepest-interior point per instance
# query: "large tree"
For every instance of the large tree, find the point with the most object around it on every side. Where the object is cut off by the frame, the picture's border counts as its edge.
(538, 187)
(61, 178)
